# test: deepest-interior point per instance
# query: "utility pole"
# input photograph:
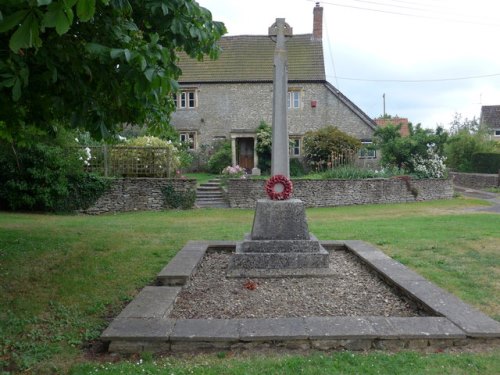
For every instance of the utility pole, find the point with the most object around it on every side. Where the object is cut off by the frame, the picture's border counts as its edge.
(383, 100)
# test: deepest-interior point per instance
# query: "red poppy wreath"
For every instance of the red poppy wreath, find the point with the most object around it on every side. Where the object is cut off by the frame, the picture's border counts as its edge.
(279, 181)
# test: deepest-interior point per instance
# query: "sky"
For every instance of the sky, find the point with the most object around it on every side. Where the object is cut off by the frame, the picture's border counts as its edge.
(431, 58)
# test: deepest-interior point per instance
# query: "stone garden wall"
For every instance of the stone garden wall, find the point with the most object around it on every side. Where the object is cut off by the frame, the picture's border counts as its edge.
(324, 193)
(137, 194)
(476, 180)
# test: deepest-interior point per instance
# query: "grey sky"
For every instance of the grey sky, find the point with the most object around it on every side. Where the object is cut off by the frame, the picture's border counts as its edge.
(417, 52)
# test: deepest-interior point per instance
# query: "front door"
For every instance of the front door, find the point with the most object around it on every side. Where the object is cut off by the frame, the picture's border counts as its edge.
(245, 153)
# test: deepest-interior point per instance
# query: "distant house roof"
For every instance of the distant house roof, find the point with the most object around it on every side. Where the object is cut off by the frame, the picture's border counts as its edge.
(490, 115)
(395, 121)
(249, 58)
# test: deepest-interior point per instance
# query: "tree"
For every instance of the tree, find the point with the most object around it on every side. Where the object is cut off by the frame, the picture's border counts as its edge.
(402, 152)
(264, 146)
(468, 137)
(95, 64)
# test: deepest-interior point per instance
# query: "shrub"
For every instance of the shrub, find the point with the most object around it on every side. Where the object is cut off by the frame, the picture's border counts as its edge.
(221, 158)
(461, 147)
(178, 199)
(483, 162)
(319, 145)
(145, 157)
(46, 177)
(264, 146)
(431, 166)
(296, 168)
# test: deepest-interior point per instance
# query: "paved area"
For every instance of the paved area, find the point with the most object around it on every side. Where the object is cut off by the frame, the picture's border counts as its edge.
(493, 198)
(144, 325)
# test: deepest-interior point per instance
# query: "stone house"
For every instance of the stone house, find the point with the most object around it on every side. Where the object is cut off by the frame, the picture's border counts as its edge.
(229, 97)
(490, 116)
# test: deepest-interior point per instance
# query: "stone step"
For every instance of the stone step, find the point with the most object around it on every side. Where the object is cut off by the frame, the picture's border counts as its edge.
(210, 195)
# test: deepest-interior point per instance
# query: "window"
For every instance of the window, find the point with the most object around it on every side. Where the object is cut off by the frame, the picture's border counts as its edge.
(189, 138)
(295, 147)
(496, 132)
(293, 100)
(366, 152)
(186, 99)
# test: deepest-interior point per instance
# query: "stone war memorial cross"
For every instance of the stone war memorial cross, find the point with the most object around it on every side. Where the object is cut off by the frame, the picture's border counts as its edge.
(280, 243)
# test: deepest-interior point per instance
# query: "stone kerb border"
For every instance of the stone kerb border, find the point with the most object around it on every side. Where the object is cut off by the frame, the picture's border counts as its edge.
(144, 324)
(243, 193)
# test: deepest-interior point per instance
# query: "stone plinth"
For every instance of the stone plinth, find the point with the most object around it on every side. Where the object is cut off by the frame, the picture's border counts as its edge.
(280, 240)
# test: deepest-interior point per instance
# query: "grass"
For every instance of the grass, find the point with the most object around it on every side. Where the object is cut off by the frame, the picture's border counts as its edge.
(61, 277)
(201, 178)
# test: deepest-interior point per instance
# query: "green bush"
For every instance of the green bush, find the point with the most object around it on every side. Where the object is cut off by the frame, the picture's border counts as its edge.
(178, 199)
(221, 157)
(296, 168)
(264, 146)
(486, 162)
(319, 145)
(44, 177)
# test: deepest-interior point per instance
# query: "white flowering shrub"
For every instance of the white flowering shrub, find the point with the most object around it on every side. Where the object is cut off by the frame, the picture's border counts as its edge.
(432, 166)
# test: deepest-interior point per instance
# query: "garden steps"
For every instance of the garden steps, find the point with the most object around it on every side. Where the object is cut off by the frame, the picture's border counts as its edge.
(211, 195)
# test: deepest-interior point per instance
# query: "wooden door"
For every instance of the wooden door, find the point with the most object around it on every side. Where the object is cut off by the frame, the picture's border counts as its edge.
(245, 153)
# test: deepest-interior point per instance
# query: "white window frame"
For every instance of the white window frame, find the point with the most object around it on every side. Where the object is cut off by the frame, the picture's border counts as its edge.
(186, 99)
(188, 137)
(496, 132)
(365, 153)
(294, 99)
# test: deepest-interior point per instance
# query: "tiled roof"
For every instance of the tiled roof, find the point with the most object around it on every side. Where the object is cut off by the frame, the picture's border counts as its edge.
(490, 115)
(249, 58)
(395, 121)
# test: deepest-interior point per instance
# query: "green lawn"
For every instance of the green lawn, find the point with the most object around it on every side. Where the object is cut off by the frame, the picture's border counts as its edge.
(63, 277)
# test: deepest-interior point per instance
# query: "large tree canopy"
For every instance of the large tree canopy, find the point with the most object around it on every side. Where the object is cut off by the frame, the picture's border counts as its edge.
(95, 64)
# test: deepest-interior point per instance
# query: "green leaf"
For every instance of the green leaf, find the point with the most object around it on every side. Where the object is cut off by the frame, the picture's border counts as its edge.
(149, 73)
(16, 90)
(164, 9)
(116, 52)
(13, 20)
(27, 35)
(127, 54)
(43, 2)
(58, 16)
(96, 49)
(85, 9)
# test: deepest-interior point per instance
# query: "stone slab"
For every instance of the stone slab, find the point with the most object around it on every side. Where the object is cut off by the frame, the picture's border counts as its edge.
(152, 302)
(339, 327)
(206, 329)
(133, 329)
(273, 329)
(278, 246)
(180, 268)
(279, 260)
(429, 327)
(472, 321)
(280, 220)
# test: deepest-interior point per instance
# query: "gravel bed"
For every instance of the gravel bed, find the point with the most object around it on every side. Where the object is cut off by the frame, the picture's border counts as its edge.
(353, 291)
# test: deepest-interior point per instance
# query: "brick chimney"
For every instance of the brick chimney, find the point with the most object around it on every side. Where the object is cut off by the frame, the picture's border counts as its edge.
(318, 22)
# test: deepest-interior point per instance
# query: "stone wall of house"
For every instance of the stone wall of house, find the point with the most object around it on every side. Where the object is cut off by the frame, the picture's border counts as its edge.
(137, 194)
(476, 180)
(325, 193)
(222, 108)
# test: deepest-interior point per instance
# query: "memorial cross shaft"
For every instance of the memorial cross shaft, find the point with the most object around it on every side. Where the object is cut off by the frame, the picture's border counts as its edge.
(280, 163)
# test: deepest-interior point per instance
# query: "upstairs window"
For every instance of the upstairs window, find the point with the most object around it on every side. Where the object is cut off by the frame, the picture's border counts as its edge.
(293, 100)
(185, 99)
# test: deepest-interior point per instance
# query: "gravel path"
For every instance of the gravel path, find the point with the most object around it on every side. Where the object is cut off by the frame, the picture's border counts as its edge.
(354, 292)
